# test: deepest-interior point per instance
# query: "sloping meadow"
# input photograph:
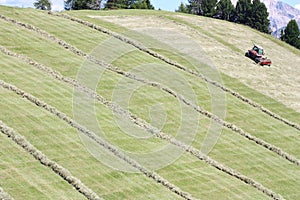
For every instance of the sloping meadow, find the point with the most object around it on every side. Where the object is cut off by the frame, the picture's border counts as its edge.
(159, 94)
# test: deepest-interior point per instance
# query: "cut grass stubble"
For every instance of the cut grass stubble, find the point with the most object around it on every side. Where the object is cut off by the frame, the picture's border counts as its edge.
(181, 67)
(98, 140)
(44, 160)
(115, 69)
(141, 123)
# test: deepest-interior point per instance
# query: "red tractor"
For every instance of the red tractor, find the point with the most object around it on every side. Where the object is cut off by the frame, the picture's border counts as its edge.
(257, 54)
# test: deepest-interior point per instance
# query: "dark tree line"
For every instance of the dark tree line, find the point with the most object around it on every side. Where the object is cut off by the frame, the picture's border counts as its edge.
(107, 4)
(252, 13)
(82, 4)
(129, 4)
(97, 4)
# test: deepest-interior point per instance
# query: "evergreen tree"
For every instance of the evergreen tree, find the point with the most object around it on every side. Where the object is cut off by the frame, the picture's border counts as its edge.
(253, 14)
(129, 4)
(182, 8)
(149, 5)
(243, 12)
(291, 34)
(195, 7)
(202, 7)
(82, 4)
(259, 16)
(224, 10)
(209, 7)
(112, 4)
(43, 5)
(141, 4)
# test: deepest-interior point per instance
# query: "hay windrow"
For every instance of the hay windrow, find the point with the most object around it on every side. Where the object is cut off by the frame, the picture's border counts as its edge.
(38, 155)
(4, 195)
(114, 69)
(181, 67)
(89, 194)
(139, 122)
(44, 160)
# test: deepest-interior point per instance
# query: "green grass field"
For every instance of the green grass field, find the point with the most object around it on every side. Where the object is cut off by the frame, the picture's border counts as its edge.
(130, 87)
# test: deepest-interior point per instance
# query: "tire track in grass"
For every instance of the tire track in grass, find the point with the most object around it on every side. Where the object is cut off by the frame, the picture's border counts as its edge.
(181, 67)
(144, 125)
(62, 116)
(117, 70)
(44, 160)
(4, 195)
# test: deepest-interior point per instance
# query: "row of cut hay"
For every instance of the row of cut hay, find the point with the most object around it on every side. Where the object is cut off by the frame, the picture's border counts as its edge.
(181, 67)
(117, 70)
(43, 159)
(4, 195)
(156, 177)
(117, 108)
(231, 126)
(139, 122)
(53, 73)
(43, 33)
(70, 48)
(243, 133)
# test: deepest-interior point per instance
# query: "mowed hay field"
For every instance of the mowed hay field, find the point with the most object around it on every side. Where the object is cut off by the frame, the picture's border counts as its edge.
(131, 104)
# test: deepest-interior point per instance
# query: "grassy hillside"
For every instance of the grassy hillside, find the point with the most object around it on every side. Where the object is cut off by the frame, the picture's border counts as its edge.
(164, 106)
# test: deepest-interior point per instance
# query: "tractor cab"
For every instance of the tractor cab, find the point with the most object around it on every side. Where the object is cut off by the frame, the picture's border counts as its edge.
(259, 50)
